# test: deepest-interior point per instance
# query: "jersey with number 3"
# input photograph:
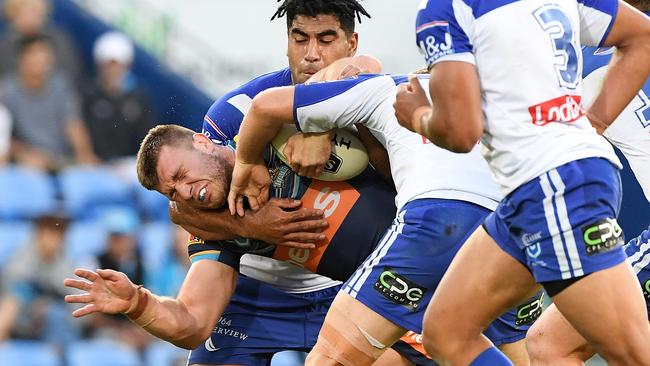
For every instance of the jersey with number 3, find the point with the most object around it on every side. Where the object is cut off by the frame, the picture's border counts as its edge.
(528, 58)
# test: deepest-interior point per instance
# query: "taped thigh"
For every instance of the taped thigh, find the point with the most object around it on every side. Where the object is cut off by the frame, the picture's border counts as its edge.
(353, 347)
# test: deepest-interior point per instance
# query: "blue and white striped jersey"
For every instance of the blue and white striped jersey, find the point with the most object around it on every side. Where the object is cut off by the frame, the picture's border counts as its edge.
(419, 168)
(527, 54)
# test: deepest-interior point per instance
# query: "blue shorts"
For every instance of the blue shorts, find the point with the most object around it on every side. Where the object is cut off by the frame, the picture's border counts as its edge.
(638, 254)
(562, 224)
(398, 279)
(262, 320)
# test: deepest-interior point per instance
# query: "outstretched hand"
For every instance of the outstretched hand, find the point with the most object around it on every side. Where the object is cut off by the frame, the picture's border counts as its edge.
(106, 291)
(250, 180)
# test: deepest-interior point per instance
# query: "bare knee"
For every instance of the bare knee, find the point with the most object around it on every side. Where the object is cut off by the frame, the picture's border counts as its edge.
(436, 338)
(431, 336)
(539, 347)
(543, 349)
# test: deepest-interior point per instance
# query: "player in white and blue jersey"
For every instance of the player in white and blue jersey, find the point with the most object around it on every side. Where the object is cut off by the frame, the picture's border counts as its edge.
(508, 72)
(387, 295)
(275, 293)
(553, 341)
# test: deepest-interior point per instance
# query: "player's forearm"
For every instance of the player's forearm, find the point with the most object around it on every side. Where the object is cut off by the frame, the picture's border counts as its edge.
(189, 319)
(455, 119)
(174, 323)
(625, 75)
(208, 224)
(336, 70)
(269, 111)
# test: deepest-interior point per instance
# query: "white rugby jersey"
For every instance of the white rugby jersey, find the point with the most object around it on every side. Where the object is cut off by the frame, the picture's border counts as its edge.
(419, 168)
(528, 57)
(630, 132)
(283, 275)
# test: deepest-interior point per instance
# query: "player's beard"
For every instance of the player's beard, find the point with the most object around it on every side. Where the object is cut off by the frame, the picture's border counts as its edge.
(219, 170)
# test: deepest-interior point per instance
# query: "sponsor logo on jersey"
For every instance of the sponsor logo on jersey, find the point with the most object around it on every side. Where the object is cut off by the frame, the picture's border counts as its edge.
(529, 312)
(210, 346)
(646, 289)
(602, 236)
(529, 238)
(193, 239)
(336, 199)
(434, 47)
(565, 109)
(278, 176)
(223, 328)
(399, 289)
(534, 250)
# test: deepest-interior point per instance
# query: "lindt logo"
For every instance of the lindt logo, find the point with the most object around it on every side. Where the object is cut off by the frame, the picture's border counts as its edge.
(565, 109)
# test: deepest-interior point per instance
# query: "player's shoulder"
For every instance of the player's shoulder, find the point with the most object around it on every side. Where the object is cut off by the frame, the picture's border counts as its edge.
(254, 87)
(259, 84)
(450, 9)
(226, 114)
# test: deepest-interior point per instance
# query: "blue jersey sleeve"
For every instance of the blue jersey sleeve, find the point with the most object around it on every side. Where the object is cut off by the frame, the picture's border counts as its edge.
(224, 117)
(438, 33)
(596, 20)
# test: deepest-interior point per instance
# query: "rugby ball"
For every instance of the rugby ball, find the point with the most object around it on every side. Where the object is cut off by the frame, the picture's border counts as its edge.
(348, 159)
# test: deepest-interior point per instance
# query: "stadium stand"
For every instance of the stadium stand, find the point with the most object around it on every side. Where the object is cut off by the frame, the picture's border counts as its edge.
(28, 353)
(85, 240)
(163, 353)
(12, 236)
(88, 190)
(25, 193)
(94, 352)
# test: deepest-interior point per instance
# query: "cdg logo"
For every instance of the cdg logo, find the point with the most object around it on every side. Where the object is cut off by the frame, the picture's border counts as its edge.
(412, 294)
(529, 309)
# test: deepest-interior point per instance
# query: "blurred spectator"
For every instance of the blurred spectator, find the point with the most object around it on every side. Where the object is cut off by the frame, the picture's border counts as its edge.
(5, 134)
(32, 304)
(47, 130)
(167, 277)
(116, 111)
(122, 255)
(122, 252)
(27, 18)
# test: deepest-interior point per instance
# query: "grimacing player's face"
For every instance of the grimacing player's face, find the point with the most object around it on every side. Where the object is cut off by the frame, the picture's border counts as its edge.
(316, 42)
(191, 176)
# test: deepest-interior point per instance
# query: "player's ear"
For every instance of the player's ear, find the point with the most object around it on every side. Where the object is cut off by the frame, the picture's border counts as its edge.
(353, 42)
(201, 142)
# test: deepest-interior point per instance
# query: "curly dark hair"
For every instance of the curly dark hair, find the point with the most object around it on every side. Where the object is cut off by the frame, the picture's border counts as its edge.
(345, 10)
